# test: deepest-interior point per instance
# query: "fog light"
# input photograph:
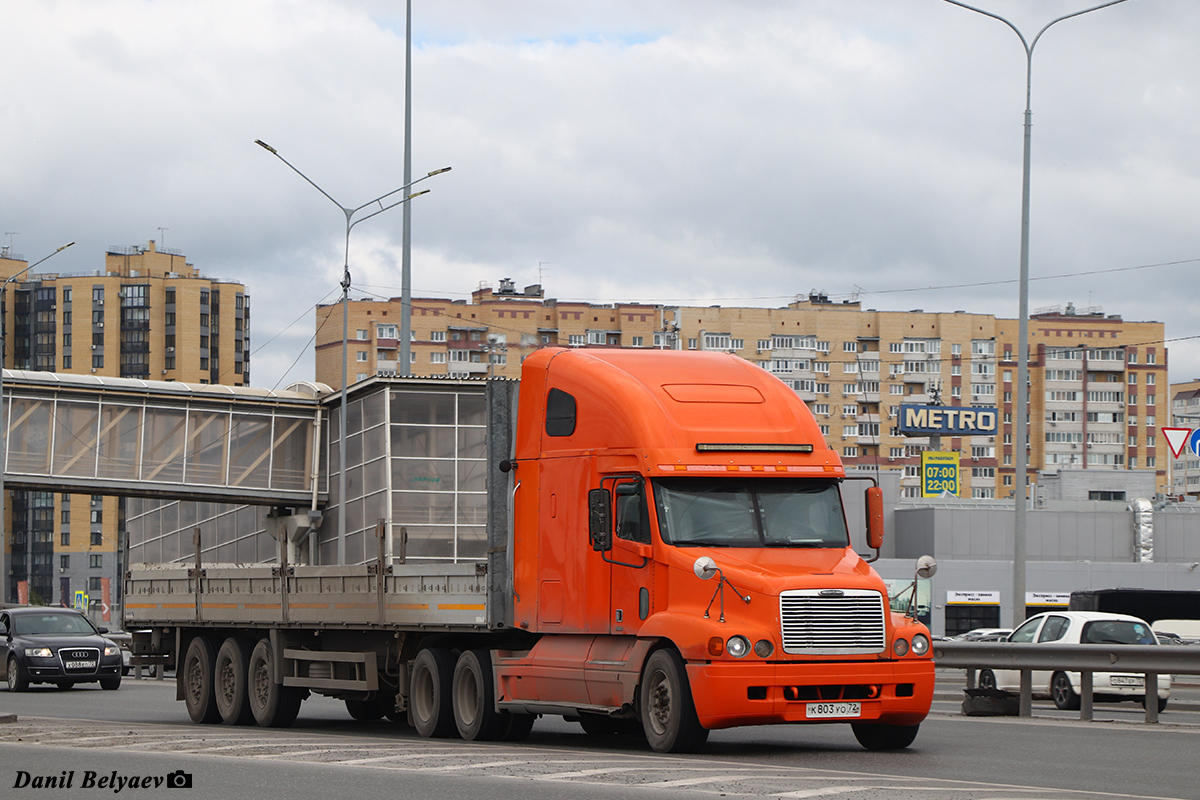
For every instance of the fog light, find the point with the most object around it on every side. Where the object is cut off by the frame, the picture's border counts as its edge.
(900, 647)
(737, 646)
(715, 646)
(763, 648)
(920, 644)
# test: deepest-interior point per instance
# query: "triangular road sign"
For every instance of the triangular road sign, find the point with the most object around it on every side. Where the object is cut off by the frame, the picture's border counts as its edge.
(1176, 439)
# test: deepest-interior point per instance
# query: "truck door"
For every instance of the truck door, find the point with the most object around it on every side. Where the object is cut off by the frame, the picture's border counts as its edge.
(632, 573)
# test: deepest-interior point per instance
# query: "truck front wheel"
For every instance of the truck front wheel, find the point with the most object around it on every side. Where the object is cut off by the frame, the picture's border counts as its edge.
(668, 713)
(272, 704)
(474, 697)
(429, 693)
(881, 736)
(197, 678)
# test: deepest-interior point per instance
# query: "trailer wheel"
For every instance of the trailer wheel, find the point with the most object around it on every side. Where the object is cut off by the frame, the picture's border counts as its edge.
(882, 736)
(474, 695)
(197, 679)
(272, 704)
(429, 693)
(232, 679)
(366, 710)
(668, 713)
(517, 726)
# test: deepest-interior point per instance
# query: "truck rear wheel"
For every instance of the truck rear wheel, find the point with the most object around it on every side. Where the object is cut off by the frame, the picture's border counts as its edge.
(474, 696)
(429, 693)
(231, 686)
(273, 705)
(668, 713)
(881, 736)
(197, 679)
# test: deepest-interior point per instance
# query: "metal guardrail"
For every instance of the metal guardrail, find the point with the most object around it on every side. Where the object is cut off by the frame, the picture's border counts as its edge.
(1145, 659)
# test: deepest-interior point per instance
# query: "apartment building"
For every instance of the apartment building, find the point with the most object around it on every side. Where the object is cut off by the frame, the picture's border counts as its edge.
(146, 314)
(1185, 413)
(1094, 378)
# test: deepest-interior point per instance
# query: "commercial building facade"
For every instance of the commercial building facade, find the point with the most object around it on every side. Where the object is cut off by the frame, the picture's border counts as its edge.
(1094, 378)
(147, 314)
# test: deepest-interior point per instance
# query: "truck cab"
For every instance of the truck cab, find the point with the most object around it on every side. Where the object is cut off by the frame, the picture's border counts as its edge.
(681, 548)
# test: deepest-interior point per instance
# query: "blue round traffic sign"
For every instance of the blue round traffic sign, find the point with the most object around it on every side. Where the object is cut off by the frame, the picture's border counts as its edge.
(1194, 442)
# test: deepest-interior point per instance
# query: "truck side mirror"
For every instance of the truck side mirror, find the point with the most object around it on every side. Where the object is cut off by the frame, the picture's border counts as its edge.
(600, 519)
(874, 517)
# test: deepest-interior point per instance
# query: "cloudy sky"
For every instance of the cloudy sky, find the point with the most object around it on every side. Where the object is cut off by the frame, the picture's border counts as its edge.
(679, 151)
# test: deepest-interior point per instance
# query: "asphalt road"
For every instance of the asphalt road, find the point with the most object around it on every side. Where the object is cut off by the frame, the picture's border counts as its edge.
(140, 730)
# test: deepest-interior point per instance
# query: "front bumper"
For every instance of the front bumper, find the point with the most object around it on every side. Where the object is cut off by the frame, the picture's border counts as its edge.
(49, 670)
(728, 694)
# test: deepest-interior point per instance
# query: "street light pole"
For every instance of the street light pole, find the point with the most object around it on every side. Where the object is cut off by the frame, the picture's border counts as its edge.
(1022, 399)
(350, 223)
(4, 543)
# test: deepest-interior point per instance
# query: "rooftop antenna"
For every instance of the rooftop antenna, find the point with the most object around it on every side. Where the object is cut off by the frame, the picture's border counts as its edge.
(11, 234)
(541, 271)
(162, 237)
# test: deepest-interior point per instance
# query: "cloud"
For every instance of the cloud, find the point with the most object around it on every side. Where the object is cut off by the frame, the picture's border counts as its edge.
(694, 151)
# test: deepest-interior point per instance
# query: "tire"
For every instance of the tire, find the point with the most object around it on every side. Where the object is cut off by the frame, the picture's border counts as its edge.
(366, 710)
(429, 694)
(881, 736)
(598, 725)
(231, 685)
(16, 681)
(65, 685)
(1162, 703)
(517, 726)
(111, 684)
(196, 678)
(987, 679)
(474, 697)
(272, 705)
(668, 712)
(1063, 693)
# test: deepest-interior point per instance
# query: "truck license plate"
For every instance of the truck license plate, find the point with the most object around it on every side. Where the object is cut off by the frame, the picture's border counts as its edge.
(81, 665)
(832, 710)
(1126, 680)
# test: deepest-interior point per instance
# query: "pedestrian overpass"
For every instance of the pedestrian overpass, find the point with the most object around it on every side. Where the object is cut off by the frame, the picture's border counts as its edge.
(124, 436)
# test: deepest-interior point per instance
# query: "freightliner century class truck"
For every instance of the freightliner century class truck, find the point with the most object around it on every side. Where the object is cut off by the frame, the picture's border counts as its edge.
(667, 550)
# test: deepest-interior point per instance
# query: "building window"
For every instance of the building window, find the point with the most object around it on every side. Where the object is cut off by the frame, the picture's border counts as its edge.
(638, 341)
(437, 336)
(849, 347)
(437, 358)
(361, 356)
(96, 561)
(362, 334)
(64, 562)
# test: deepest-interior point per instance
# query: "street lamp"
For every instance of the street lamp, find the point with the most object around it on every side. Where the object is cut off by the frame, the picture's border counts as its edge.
(4, 418)
(350, 223)
(1022, 416)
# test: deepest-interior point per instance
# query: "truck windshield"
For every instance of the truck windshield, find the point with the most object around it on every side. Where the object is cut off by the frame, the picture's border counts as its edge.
(747, 512)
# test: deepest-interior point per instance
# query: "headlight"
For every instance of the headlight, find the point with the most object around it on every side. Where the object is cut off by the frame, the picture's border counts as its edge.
(38, 652)
(112, 650)
(737, 646)
(900, 647)
(763, 648)
(920, 644)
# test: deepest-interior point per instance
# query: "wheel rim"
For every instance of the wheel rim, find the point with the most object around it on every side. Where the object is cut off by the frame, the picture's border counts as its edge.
(262, 684)
(422, 690)
(195, 681)
(226, 678)
(1062, 689)
(987, 680)
(466, 697)
(12, 674)
(660, 702)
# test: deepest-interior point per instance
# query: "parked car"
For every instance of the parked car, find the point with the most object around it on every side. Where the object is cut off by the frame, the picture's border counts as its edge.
(1080, 627)
(46, 644)
(983, 635)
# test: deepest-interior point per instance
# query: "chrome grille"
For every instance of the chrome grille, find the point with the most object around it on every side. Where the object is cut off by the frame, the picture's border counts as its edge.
(832, 622)
(69, 655)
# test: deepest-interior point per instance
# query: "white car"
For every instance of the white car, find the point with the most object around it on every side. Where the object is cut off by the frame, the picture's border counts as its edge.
(1080, 627)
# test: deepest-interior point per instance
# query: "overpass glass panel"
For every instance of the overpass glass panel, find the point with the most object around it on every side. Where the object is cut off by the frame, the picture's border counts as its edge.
(120, 432)
(163, 445)
(28, 434)
(75, 428)
(207, 446)
(250, 451)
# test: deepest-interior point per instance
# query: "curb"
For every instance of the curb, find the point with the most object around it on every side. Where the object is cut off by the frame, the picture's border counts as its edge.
(5, 718)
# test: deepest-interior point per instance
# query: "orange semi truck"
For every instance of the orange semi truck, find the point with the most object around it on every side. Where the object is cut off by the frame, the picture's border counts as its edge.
(666, 550)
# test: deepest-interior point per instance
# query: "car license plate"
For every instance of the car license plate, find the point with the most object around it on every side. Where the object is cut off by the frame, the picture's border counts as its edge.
(80, 665)
(1126, 680)
(832, 710)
